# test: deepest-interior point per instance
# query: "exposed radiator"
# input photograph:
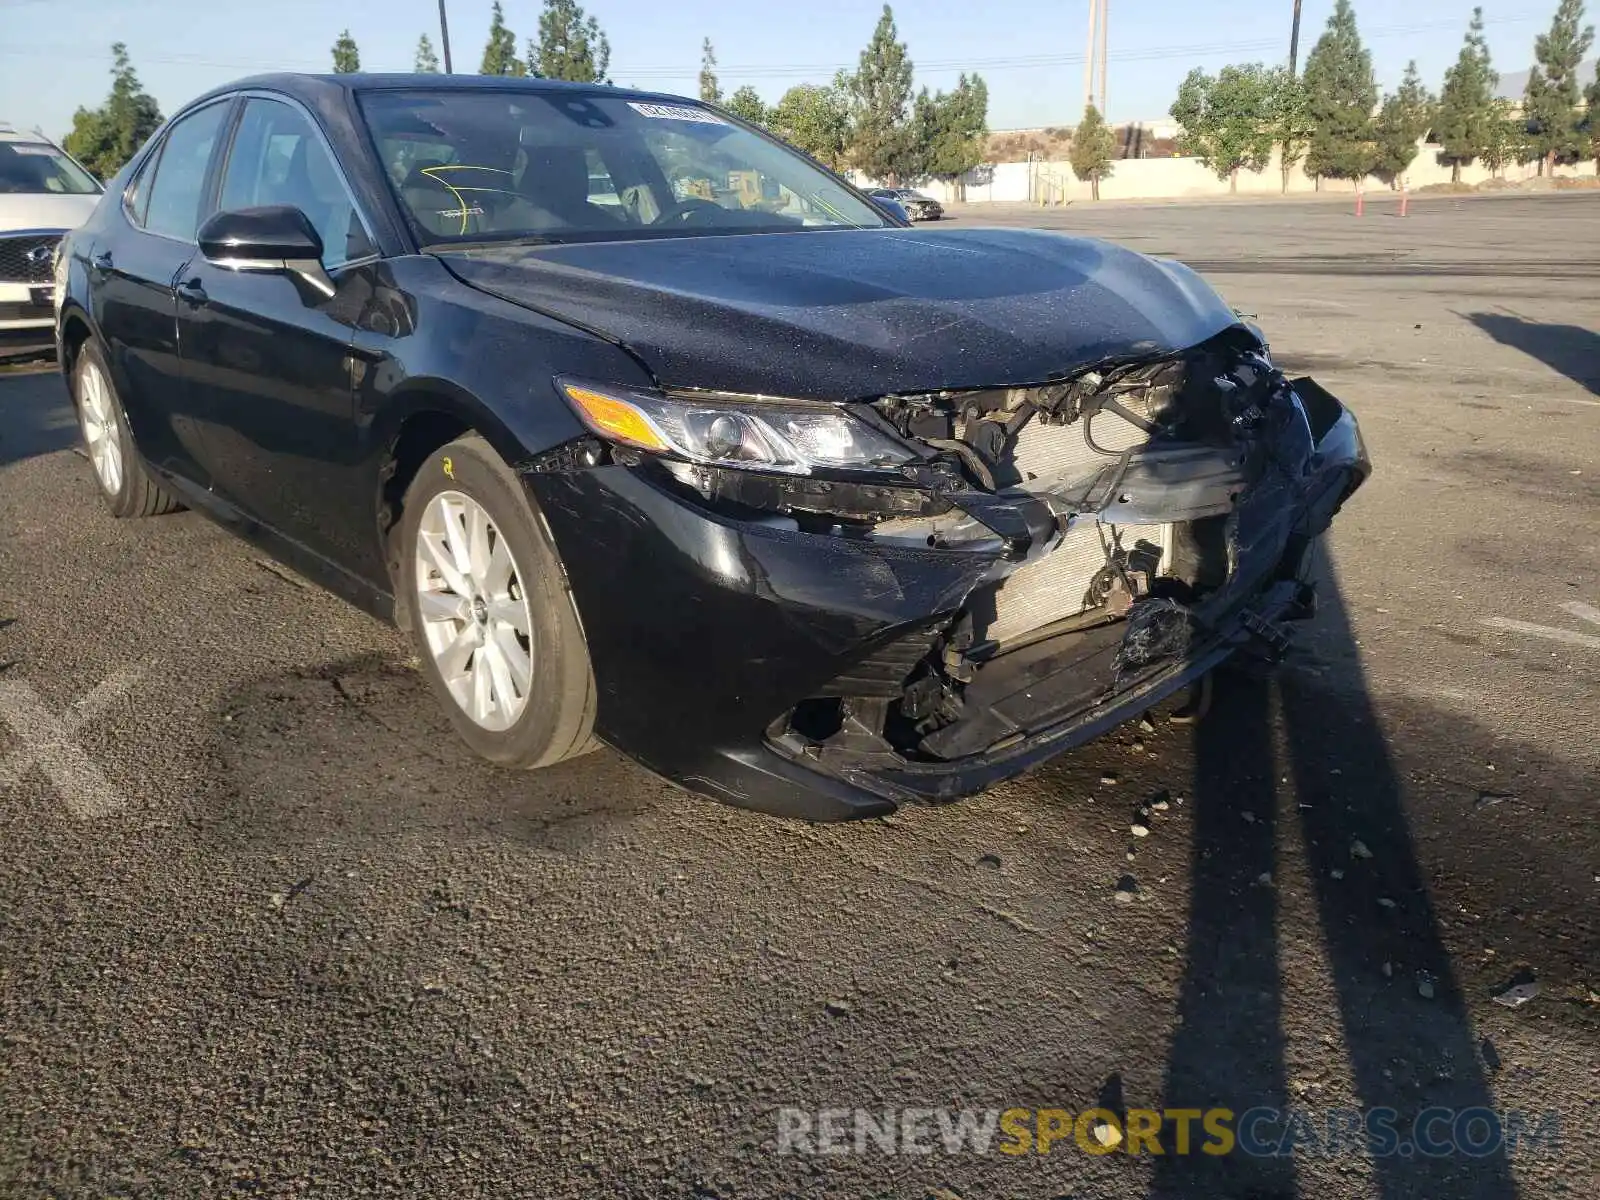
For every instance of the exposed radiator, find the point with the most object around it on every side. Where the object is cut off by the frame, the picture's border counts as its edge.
(1055, 587)
(1060, 452)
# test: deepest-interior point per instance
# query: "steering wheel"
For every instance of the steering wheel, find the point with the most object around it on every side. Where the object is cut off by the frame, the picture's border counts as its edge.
(685, 209)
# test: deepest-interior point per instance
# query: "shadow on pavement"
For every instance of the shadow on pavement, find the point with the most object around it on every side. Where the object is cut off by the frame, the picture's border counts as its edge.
(35, 417)
(1229, 1049)
(1570, 349)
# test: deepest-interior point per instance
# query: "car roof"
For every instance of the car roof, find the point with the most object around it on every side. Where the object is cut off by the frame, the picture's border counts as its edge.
(316, 90)
(10, 133)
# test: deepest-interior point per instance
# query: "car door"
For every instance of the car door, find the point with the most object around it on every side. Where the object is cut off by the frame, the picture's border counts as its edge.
(266, 358)
(133, 268)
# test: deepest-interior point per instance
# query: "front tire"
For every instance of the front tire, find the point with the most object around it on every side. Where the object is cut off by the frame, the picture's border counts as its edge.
(124, 481)
(485, 598)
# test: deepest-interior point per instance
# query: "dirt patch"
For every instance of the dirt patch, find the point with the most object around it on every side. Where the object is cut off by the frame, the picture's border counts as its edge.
(361, 747)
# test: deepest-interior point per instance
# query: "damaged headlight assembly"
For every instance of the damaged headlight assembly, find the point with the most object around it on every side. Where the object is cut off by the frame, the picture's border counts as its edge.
(790, 437)
(808, 464)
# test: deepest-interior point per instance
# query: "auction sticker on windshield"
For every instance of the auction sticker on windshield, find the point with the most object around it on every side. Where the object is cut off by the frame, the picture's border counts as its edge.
(676, 112)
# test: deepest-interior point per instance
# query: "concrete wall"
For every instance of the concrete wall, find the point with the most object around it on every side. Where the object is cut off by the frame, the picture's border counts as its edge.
(1157, 178)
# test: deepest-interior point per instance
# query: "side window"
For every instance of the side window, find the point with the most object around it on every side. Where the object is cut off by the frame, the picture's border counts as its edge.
(277, 158)
(171, 200)
(137, 197)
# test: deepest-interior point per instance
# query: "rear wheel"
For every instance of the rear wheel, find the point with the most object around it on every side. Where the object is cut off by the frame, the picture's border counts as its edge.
(124, 481)
(487, 604)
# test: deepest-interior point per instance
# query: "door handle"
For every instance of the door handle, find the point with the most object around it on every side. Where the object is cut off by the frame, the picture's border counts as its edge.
(101, 262)
(192, 292)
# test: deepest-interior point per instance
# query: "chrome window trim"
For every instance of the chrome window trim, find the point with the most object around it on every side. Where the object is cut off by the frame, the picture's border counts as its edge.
(338, 167)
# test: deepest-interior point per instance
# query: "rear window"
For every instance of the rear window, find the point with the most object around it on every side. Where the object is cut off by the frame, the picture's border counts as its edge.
(574, 166)
(38, 168)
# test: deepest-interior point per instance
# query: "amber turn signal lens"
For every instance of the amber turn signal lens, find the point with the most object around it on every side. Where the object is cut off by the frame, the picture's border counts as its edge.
(615, 419)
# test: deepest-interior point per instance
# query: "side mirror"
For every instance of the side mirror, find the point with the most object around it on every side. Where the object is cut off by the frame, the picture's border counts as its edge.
(893, 207)
(276, 238)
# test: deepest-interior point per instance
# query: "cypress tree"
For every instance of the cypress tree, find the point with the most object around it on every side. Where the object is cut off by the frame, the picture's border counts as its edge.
(1551, 101)
(880, 101)
(1466, 106)
(500, 54)
(1340, 95)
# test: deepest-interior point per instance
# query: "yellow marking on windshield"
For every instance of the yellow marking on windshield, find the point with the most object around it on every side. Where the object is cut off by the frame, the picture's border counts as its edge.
(455, 191)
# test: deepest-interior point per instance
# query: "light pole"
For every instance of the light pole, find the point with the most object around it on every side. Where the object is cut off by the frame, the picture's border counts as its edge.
(444, 34)
(1294, 38)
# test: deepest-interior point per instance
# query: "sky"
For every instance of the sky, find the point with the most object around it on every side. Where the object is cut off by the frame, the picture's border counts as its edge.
(55, 54)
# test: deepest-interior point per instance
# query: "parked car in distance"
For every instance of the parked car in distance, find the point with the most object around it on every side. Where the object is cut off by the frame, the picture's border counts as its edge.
(917, 205)
(801, 508)
(43, 193)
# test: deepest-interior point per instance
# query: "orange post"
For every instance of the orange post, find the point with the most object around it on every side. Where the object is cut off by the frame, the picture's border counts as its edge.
(1405, 198)
(1361, 197)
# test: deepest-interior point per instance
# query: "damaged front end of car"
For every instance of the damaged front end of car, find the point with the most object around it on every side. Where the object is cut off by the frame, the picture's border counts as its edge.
(913, 597)
(1146, 517)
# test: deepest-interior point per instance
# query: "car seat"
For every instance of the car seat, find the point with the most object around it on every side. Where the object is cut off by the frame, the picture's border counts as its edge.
(312, 185)
(555, 180)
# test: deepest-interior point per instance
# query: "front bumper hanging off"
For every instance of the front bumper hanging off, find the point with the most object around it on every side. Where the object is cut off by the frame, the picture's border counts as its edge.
(710, 632)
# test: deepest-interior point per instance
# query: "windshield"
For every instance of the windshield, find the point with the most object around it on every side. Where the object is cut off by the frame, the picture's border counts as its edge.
(576, 166)
(29, 167)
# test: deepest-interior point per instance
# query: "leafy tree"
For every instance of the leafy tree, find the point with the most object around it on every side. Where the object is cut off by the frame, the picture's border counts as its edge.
(105, 138)
(710, 89)
(1340, 96)
(1406, 116)
(880, 101)
(1551, 100)
(427, 62)
(1093, 145)
(964, 129)
(571, 45)
(346, 58)
(927, 120)
(815, 118)
(1289, 119)
(1466, 106)
(500, 55)
(1505, 138)
(949, 129)
(746, 104)
(1226, 120)
(1592, 96)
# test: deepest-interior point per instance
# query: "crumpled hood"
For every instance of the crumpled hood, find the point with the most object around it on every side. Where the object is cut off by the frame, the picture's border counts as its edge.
(846, 315)
(43, 210)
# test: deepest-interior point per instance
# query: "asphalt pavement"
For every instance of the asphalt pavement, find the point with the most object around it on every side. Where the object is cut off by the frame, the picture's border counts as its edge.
(266, 929)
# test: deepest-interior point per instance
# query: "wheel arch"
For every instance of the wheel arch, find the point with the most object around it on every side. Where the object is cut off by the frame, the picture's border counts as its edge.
(418, 419)
(76, 329)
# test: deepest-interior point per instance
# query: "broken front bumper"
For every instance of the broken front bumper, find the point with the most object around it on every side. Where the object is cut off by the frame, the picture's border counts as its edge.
(706, 632)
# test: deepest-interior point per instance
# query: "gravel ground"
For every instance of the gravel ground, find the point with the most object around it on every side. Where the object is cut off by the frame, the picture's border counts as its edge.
(265, 929)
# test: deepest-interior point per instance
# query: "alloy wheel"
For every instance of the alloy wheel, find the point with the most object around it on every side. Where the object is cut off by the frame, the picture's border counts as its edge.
(100, 428)
(474, 610)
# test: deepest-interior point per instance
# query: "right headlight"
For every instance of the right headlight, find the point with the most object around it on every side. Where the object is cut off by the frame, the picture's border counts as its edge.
(791, 436)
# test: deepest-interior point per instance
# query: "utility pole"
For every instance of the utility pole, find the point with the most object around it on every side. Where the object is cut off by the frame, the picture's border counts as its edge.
(1089, 54)
(1105, 23)
(1294, 39)
(444, 35)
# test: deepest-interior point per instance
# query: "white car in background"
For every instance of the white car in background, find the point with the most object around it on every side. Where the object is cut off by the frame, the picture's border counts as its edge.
(44, 194)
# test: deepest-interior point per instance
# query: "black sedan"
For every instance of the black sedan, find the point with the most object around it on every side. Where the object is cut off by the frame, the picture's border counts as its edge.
(799, 507)
(916, 205)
